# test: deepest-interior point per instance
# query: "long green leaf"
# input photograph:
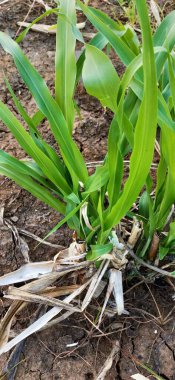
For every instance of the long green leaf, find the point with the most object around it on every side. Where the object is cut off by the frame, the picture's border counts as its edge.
(164, 116)
(66, 218)
(171, 79)
(165, 32)
(25, 31)
(27, 167)
(48, 106)
(27, 143)
(36, 136)
(18, 173)
(145, 129)
(65, 62)
(21, 110)
(96, 18)
(167, 200)
(168, 152)
(115, 163)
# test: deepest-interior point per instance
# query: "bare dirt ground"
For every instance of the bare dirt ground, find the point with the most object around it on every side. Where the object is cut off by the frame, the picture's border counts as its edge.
(145, 336)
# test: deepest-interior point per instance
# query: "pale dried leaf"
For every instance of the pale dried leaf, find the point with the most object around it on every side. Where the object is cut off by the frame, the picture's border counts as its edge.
(3, 1)
(89, 35)
(1, 216)
(108, 293)
(11, 365)
(95, 280)
(17, 306)
(34, 286)
(55, 321)
(32, 236)
(42, 28)
(72, 344)
(6, 322)
(35, 270)
(135, 233)
(116, 279)
(42, 321)
(99, 289)
(117, 258)
(155, 11)
(27, 272)
(74, 252)
(84, 216)
(42, 283)
(139, 377)
(19, 242)
(22, 295)
(59, 291)
(43, 4)
(24, 248)
(72, 259)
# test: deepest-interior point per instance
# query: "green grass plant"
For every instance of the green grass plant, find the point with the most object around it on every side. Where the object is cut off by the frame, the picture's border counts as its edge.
(141, 100)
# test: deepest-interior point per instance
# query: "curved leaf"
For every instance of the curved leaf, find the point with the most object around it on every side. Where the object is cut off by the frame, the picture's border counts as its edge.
(27, 143)
(17, 171)
(48, 107)
(100, 77)
(96, 18)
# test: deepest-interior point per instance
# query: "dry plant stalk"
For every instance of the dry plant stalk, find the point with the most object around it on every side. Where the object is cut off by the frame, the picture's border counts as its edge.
(42, 321)
(94, 283)
(135, 233)
(114, 354)
(22, 295)
(43, 28)
(155, 11)
(138, 376)
(3, 2)
(36, 286)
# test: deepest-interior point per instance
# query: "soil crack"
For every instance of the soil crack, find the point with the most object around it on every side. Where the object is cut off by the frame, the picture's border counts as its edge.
(168, 346)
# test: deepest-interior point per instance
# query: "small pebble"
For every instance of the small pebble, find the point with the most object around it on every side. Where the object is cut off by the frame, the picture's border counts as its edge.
(14, 219)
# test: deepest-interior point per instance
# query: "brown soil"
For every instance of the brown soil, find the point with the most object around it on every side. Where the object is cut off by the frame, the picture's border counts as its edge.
(145, 335)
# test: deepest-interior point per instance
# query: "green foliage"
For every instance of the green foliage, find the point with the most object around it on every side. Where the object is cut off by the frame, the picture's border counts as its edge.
(65, 61)
(142, 99)
(129, 9)
(168, 244)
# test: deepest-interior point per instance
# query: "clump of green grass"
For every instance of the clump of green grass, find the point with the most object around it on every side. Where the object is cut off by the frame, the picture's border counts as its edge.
(141, 99)
(92, 205)
(63, 182)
